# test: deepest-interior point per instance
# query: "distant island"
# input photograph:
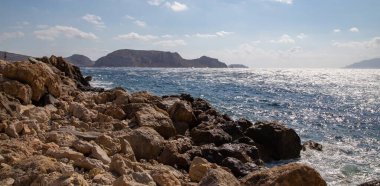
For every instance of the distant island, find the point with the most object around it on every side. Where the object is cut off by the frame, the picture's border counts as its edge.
(80, 60)
(9, 56)
(134, 58)
(237, 66)
(151, 58)
(366, 64)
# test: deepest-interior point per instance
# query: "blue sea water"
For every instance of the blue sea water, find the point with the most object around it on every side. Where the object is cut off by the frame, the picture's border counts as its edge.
(339, 108)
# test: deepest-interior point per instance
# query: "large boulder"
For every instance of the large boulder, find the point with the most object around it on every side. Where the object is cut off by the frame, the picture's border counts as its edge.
(199, 168)
(40, 114)
(238, 168)
(145, 142)
(219, 177)
(182, 115)
(164, 177)
(39, 76)
(275, 141)
(287, 175)
(174, 154)
(98, 153)
(9, 107)
(79, 111)
(158, 119)
(18, 90)
(206, 133)
(109, 144)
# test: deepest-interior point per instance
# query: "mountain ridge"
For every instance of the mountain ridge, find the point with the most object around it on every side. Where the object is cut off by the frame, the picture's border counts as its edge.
(366, 64)
(133, 58)
(154, 58)
(9, 56)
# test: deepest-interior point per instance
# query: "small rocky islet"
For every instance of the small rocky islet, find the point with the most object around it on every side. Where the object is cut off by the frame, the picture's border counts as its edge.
(55, 129)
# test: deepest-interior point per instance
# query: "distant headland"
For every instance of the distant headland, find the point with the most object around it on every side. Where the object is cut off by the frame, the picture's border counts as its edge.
(237, 66)
(366, 64)
(134, 58)
(151, 58)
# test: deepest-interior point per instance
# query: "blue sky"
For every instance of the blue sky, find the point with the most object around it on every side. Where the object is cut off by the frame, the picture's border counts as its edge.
(257, 33)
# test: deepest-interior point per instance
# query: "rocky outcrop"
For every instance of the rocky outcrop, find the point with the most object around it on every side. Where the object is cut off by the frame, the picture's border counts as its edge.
(52, 132)
(69, 70)
(219, 177)
(14, 88)
(145, 58)
(290, 174)
(275, 141)
(39, 76)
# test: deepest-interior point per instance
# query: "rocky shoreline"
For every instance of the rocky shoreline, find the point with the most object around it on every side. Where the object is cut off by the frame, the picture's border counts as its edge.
(58, 130)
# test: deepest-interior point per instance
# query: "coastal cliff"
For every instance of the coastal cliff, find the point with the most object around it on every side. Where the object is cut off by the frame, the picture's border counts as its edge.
(150, 58)
(58, 130)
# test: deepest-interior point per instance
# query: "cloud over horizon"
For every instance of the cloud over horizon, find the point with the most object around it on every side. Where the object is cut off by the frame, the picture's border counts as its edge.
(176, 6)
(372, 43)
(53, 33)
(284, 39)
(135, 36)
(10, 35)
(284, 1)
(94, 19)
(171, 43)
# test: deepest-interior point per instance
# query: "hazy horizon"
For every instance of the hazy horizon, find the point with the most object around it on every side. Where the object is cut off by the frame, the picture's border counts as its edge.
(256, 33)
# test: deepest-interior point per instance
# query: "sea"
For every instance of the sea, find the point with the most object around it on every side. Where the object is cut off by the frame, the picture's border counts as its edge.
(338, 108)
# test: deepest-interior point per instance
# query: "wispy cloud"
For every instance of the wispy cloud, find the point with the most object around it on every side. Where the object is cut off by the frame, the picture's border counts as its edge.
(171, 43)
(136, 21)
(155, 2)
(167, 36)
(284, 39)
(135, 36)
(302, 36)
(176, 6)
(205, 35)
(214, 35)
(337, 30)
(67, 31)
(372, 43)
(289, 2)
(223, 33)
(140, 23)
(354, 29)
(94, 19)
(10, 35)
(42, 26)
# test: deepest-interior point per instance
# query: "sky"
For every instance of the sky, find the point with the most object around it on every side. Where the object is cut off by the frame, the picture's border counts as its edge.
(256, 33)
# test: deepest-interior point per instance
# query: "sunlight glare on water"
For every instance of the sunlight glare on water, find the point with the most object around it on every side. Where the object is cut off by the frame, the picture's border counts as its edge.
(340, 108)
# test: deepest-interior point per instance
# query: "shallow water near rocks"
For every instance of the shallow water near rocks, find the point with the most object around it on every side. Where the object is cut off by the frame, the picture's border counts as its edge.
(340, 108)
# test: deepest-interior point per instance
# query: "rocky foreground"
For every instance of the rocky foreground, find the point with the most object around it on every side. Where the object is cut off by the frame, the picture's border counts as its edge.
(58, 130)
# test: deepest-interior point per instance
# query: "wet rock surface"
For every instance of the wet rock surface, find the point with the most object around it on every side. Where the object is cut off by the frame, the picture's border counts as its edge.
(58, 130)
